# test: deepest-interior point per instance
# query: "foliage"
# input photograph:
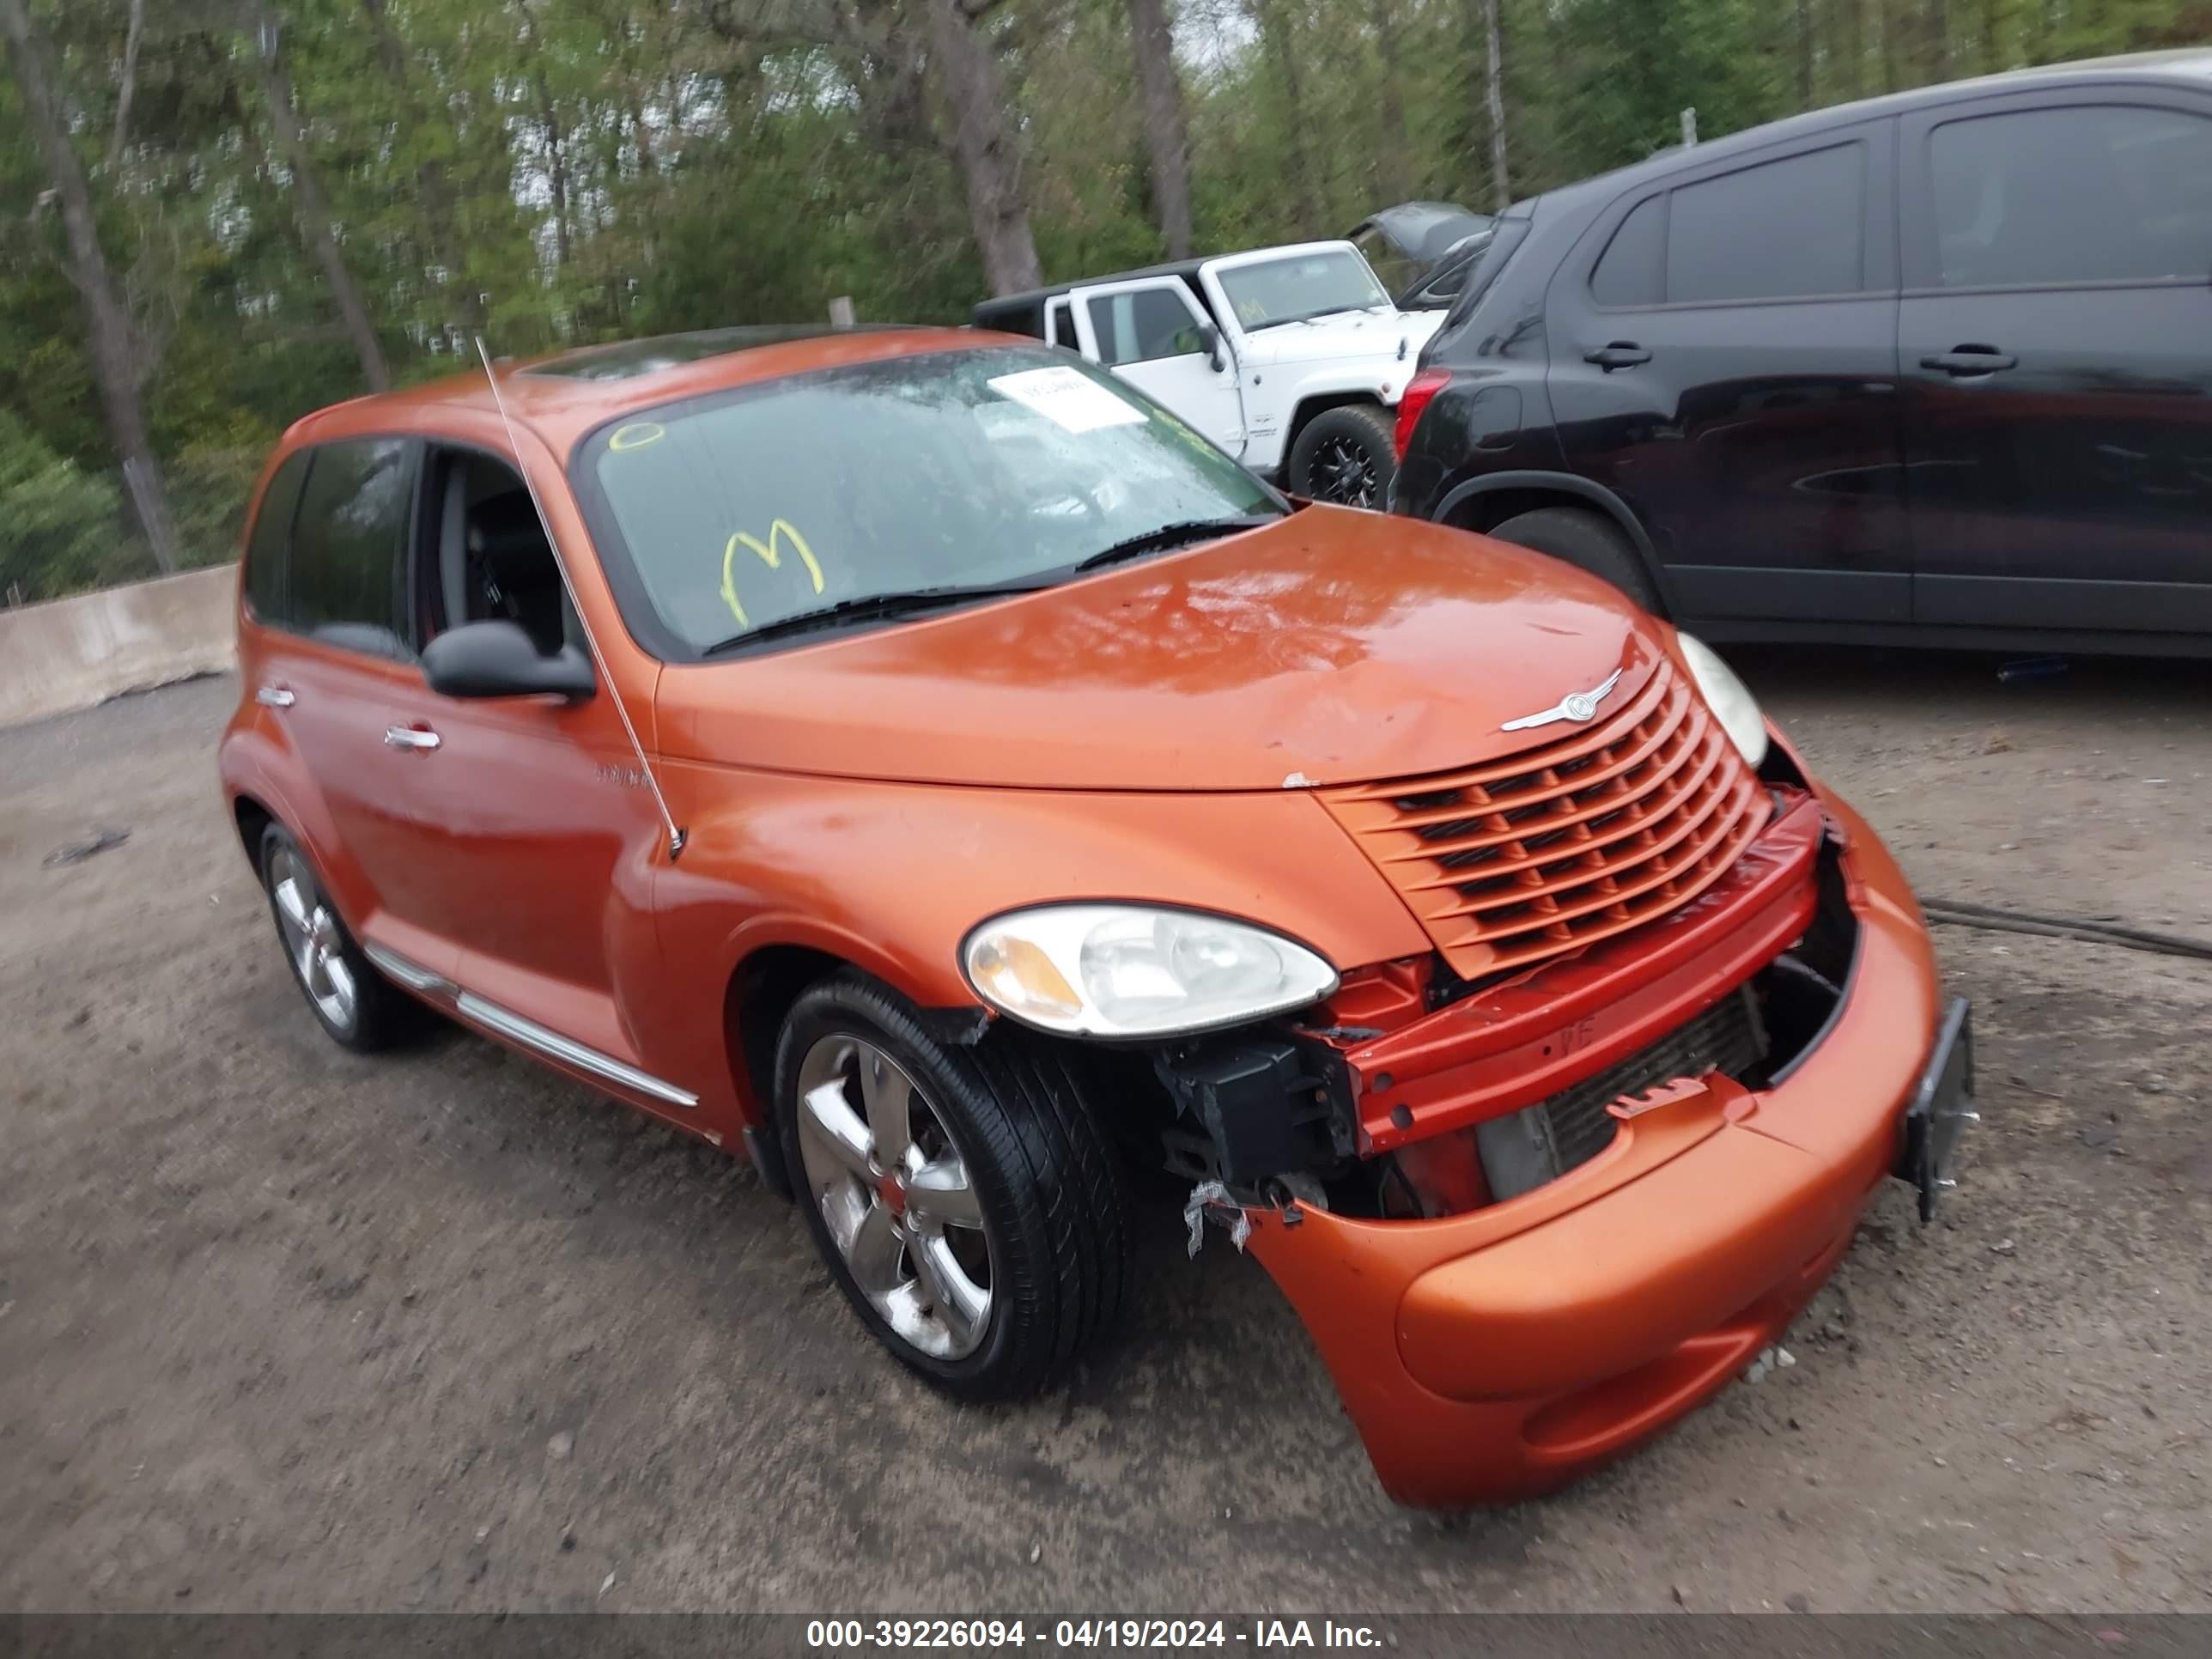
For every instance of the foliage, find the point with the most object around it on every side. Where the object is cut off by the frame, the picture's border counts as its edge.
(561, 170)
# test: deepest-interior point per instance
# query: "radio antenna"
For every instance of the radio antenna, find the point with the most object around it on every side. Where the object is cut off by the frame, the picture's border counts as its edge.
(676, 837)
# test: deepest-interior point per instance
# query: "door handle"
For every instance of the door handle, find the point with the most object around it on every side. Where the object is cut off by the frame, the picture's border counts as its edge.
(1620, 354)
(411, 736)
(273, 696)
(1970, 359)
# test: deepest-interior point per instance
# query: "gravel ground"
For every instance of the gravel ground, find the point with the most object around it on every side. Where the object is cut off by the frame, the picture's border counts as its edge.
(284, 1329)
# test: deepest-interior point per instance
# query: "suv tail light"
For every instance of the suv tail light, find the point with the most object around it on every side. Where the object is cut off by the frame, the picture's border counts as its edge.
(1418, 390)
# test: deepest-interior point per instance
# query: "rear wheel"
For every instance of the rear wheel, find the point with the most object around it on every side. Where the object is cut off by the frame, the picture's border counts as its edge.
(1345, 456)
(964, 1199)
(1588, 542)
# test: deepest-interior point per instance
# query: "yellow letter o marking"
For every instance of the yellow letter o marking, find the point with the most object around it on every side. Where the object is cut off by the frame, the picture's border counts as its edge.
(637, 435)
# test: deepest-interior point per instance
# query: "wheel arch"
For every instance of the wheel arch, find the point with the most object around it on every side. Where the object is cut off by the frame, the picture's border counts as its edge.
(1311, 404)
(1482, 504)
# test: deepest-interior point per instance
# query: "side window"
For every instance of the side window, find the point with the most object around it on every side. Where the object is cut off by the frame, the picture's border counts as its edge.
(1782, 230)
(1141, 327)
(492, 560)
(266, 548)
(348, 542)
(1629, 272)
(2092, 193)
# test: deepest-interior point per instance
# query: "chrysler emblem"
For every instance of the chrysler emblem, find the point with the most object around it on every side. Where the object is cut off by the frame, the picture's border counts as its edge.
(1575, 705)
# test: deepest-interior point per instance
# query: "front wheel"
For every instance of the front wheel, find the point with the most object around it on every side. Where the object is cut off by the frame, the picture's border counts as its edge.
(1344, 456)
(964, 1198)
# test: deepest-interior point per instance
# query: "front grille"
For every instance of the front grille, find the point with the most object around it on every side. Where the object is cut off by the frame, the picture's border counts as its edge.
(1540, 1143)
(1555, 848)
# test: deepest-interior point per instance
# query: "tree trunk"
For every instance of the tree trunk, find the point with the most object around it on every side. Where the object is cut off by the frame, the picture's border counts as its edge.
(115, 361)
(123, 95)
(1992, 47)
(1390, 182)
(314, 208)
(1939, 40)
(437, 191)
(556, 168)
(1804, 54)
(1275, 34)
(987, 149)
(1166, 131)
(1493, 102)
(1887, 11)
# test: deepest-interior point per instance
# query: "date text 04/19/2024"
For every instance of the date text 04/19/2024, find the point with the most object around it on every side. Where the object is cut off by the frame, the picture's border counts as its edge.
(983, 1634)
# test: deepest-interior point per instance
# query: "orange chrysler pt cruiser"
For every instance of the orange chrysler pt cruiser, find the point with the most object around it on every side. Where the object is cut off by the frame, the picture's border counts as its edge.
(914, 758)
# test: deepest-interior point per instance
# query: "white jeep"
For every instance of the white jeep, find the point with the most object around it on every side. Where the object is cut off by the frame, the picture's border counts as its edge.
(1291, 359)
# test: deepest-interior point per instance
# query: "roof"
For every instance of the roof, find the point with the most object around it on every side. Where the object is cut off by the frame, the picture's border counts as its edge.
(1036, 296)
(2184, 63)
(565, 395)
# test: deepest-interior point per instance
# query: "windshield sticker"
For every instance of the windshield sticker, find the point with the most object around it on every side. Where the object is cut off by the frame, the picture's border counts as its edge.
(1068, 399)
(771, 555)
(637, 435)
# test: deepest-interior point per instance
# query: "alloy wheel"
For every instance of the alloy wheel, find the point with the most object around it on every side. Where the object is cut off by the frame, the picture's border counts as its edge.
(312, 939)
(895, 1195)
(1342, 472)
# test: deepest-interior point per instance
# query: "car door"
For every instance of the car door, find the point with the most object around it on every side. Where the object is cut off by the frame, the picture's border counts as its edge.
(1723, 357)
(2057, 333)
(336, 670)
(535, 822)
(1152, 333)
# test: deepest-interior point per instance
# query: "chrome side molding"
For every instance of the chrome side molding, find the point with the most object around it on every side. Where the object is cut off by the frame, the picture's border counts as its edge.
(527, 1032)
(531, 1035)
(413, 975)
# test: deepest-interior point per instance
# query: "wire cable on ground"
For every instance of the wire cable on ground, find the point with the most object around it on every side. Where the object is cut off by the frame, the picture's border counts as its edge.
(1958, 913)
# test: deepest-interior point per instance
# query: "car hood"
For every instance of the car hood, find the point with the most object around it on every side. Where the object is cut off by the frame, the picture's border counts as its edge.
(1334, 646)
(1346, 334)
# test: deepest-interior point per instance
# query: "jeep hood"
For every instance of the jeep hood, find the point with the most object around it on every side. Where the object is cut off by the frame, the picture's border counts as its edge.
(1334, 646)
(1346, 335)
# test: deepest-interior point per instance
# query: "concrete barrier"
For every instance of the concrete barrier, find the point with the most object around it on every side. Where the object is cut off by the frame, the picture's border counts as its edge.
(70, 653)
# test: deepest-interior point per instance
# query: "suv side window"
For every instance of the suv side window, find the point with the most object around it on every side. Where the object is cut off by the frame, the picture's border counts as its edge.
(1785, 229)
(2089, 193)
(266, 550)
(1630, 272)
(348, 564)
(1139, 328)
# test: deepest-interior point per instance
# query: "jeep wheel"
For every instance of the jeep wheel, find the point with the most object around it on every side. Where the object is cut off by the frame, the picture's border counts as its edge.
(963, 1199)
(1344, 456)
(355, 1003)
(1588, 542)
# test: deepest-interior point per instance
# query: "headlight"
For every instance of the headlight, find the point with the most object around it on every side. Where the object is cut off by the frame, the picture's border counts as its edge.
(1123, 970)
(1732, 706)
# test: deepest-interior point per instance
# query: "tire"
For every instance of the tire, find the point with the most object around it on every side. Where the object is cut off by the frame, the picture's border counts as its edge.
(1044, 1215)
(1344, 455)
(1588, 542)
(349, 998)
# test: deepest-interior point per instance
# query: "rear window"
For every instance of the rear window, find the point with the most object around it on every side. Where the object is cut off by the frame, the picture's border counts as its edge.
(271, 539)
(344, 575)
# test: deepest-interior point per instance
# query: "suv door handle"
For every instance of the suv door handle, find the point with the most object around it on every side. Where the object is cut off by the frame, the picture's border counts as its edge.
(1620, 354)
(273, 696)
(411, 737)
(1970, 359)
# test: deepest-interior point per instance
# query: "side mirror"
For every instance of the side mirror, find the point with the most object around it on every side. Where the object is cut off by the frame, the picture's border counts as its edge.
(497, 658)
(1209, 336)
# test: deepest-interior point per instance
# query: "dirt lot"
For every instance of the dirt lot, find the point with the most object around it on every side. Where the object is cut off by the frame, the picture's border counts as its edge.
(284, 1328)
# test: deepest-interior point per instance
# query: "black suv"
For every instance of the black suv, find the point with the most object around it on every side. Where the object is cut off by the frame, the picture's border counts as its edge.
(1935, 367)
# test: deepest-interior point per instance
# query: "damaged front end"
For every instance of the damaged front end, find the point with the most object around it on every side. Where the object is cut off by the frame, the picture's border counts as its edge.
(1532, 1218)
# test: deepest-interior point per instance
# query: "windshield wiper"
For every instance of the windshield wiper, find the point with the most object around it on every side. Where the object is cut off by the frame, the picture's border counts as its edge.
(1174, 535)
(871, 608)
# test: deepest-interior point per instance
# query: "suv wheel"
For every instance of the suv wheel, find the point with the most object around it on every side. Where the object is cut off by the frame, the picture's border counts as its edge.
(963, 1199)
(1588, 542)
(1345, 456)
(355, 1003)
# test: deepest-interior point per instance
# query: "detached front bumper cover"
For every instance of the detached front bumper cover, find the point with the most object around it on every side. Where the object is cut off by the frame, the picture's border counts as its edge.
(1501, 1352)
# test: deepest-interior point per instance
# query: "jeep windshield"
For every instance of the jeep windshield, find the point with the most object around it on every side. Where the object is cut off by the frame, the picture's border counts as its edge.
(1300, 287)
(879, 492)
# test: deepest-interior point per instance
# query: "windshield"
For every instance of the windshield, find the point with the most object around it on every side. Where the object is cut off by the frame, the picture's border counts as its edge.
(1290, 290)
(727, 514)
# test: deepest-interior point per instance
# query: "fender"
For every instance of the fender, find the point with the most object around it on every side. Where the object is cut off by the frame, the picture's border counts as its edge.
(253, 763)
(1564, 483)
